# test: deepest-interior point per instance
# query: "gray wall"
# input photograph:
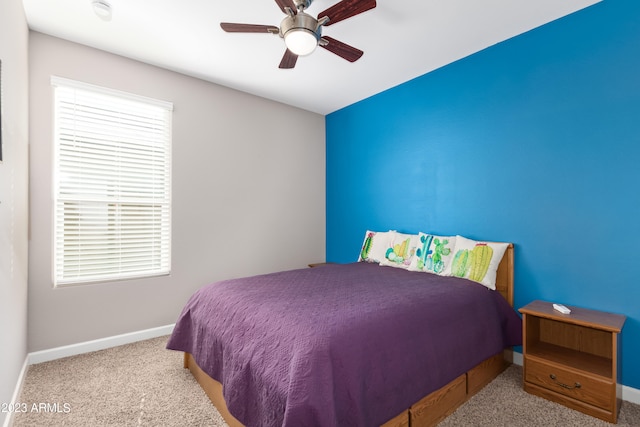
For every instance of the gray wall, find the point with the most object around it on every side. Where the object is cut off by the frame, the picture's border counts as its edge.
(248, 194)
(14, 176)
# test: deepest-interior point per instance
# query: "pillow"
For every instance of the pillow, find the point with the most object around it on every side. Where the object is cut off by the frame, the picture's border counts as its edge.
(400, 250)
(374, 246)
(477, 261)
(433, 253)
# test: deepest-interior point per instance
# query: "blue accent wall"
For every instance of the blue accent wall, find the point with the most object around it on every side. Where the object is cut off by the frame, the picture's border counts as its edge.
(534, 141)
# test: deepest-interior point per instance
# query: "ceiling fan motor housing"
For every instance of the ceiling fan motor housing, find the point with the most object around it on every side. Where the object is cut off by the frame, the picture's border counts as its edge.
(301, 21)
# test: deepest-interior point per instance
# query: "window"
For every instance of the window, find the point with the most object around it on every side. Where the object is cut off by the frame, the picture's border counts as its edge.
(112, 184)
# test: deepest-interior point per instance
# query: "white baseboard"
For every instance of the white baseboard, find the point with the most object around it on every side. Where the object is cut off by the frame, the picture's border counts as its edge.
(629, 394)
(517, 358)
(95, 345)
(8, 421)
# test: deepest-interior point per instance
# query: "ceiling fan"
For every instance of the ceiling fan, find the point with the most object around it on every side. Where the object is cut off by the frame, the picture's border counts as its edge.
(302, 33)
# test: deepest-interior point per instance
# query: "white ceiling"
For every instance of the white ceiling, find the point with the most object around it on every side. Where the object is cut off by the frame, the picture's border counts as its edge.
(401, 40)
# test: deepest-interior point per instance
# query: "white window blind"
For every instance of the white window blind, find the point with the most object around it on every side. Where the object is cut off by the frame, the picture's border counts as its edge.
(112, 184)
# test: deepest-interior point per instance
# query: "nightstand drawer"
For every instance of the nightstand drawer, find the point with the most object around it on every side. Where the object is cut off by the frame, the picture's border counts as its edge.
(586, 388)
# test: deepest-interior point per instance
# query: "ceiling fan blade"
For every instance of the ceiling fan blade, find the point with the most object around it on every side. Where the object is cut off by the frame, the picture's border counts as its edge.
(248, 28)
(346, 9)
(288, 60)
(284, 4)
(343, 50)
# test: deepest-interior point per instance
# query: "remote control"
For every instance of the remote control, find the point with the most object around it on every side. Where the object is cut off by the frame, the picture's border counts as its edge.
(561, 308)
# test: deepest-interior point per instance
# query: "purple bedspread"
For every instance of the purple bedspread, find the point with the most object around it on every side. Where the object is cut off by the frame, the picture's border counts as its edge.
(340, 345)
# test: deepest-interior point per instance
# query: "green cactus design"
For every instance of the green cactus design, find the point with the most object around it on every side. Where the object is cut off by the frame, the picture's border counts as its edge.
(482, 254)
(461, 263)
(400, 252)
(423, 251)
(440, 250)
(366, 246)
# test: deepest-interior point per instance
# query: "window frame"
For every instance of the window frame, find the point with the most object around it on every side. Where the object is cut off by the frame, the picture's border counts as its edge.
(158, 208)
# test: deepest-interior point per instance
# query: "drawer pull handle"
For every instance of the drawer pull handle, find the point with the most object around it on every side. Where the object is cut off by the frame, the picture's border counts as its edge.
(576, 385)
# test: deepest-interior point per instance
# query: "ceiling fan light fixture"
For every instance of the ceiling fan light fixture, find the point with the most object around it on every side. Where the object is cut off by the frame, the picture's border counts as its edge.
(301, 41)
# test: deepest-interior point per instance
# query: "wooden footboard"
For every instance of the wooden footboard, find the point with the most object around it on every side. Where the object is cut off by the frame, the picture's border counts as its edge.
(428, 411)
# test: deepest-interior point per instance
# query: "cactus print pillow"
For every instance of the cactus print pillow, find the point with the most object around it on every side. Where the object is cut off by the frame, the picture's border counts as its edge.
(477, 261)
(374, 246)
(433, 253)
(400, 250)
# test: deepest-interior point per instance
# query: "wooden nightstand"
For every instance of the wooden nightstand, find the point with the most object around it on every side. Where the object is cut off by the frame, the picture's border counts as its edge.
(320, 264)
(573, 358)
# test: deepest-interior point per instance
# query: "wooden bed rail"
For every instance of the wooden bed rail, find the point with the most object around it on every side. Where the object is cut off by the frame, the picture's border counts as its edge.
(427, 412)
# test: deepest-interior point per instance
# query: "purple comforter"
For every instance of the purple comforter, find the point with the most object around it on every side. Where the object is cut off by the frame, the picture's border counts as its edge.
(340, 345)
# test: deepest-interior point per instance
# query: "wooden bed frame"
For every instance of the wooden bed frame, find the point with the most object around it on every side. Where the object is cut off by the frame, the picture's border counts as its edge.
(431, 409)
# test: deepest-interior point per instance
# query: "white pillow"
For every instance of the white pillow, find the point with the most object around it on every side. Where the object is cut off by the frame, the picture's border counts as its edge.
(374, 246)
(433, 253)
(400, 250)
(477, 261)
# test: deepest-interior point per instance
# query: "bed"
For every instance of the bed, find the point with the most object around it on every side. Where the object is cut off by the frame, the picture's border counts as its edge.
(329, 346)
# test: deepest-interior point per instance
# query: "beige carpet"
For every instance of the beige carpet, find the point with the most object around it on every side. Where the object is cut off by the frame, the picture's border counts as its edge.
(140, 384)
(143, 384)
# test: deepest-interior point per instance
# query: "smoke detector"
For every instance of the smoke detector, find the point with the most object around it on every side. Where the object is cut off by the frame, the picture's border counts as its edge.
(102, 9)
